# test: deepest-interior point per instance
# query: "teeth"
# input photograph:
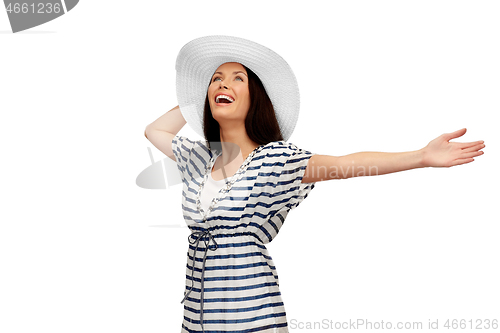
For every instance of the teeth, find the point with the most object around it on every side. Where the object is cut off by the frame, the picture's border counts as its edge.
(223, 96)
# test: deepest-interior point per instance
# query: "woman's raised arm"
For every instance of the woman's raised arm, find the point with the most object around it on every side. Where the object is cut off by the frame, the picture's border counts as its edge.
(161, 132)
(438, 153)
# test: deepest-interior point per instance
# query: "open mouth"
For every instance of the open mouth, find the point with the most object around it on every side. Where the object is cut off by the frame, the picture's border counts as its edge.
(223, 99)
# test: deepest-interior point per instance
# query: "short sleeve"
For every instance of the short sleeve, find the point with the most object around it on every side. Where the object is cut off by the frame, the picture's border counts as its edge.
(295, 161)
(191, 157)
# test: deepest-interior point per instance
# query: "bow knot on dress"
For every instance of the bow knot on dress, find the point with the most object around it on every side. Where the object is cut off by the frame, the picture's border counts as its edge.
(196, 237)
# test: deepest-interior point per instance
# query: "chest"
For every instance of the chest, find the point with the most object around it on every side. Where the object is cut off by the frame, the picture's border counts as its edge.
(222, 171)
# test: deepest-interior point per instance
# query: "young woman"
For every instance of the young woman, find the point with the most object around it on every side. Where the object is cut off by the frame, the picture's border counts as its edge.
(240, 183)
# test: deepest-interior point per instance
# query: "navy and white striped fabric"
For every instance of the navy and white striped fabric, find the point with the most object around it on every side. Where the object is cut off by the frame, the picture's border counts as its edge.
(240, 284)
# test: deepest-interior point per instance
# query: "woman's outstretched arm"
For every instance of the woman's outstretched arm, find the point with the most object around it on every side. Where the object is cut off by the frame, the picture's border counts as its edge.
(438, 153)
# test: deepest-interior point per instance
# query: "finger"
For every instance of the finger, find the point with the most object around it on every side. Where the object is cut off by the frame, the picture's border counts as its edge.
(473, 148)
(463, 145)
(462, 161)
(471, 154)
(454, 135)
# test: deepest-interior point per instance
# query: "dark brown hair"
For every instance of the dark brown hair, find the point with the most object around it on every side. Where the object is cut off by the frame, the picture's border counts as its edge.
(261, 123)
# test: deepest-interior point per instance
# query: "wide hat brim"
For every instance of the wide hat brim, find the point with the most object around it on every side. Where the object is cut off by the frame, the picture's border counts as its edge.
(198, 60)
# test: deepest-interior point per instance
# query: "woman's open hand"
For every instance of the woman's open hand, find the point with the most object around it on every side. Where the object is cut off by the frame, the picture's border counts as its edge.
(442, 153)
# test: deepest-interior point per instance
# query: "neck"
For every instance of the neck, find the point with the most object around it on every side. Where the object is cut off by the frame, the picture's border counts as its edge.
(235, 143)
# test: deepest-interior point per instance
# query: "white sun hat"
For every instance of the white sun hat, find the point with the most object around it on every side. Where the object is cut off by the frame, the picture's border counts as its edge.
(198, 60)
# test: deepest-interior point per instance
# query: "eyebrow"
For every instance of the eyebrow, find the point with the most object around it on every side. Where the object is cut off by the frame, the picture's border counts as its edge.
(233, 73)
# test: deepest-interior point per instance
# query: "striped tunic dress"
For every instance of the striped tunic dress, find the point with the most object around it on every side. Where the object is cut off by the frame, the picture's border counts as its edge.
(231, 282)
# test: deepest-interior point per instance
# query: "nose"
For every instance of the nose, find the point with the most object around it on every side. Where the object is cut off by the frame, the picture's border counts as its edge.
(222, 85)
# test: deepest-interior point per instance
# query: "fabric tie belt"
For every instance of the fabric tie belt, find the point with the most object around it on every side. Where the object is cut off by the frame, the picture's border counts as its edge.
(197, 236)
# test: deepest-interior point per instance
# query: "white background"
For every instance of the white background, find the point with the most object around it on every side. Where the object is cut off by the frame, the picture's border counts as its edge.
(84, 249)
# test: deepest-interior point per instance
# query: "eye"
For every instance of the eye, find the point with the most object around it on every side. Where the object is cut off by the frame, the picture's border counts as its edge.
(217, 77)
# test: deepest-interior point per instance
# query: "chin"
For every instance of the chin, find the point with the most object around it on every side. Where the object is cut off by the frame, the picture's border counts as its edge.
(222, 115)
(221, 111)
